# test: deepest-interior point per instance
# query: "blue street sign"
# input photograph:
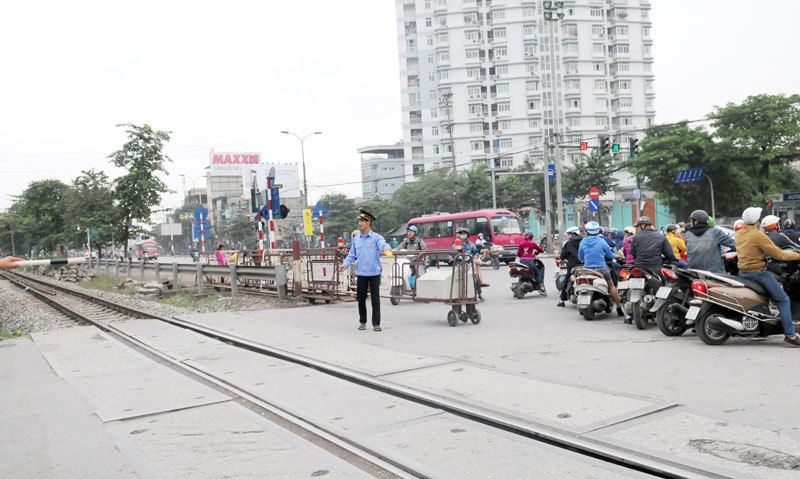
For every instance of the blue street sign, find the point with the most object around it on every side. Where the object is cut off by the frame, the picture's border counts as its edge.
(271, 175)
(571, 200)
(791, 196)
(637, 193)
(319, 208)
(206, 229)
(688, 176)
(200, 211)
(551, 171)
(594, 204)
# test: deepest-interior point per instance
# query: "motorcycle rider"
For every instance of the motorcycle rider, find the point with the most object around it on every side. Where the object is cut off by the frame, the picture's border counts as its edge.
(483, 246)
(648, 246)
(770, 226)
(789, 230)
(470, 251)
(703, 244)
(569, 253)
(593, 252)
(412, 242)
(752, 245)
(678, 244)
(626, 244)
(527, 252)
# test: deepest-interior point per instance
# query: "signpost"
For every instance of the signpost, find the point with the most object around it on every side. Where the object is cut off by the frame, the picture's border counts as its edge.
(171, 229)
(696, 174)
(320, 212)
(551, 171)
(307, 224)
(200, 225)
(594, 201)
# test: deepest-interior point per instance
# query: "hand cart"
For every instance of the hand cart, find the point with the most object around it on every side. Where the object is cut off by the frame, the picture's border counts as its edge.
(415, 277)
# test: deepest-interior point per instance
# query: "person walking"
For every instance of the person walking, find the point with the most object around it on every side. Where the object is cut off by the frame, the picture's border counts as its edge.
(365, 250)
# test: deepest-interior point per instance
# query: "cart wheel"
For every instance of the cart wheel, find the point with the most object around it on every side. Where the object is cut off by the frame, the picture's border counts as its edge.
(394, 301)
(312, 300)
(476, 317)
(327, 301)
(464, 317)
(452, 318)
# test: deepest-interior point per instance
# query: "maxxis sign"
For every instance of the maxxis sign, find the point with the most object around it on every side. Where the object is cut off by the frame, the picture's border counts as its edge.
(232, 164)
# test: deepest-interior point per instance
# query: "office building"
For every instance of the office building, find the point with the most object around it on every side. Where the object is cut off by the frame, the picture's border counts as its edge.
(382, 170)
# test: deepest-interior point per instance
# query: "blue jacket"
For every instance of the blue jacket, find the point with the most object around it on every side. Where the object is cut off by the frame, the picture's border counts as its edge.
(366, 251)
(593, 251)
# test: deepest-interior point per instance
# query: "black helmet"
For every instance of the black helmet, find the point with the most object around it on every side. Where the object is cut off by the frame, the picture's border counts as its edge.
(672, 228)
(644, 220)
(462, 230)
(700, 216)
(788, 224)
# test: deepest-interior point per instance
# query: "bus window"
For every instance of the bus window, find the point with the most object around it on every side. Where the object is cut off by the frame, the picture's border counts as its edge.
(506, 225)
(482, 226)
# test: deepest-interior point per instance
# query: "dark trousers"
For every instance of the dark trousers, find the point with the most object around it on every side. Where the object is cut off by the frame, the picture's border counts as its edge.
(374, 283)
(565, 284)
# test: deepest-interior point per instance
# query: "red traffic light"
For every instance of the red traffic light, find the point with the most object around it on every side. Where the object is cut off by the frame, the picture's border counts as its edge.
(769, 203)
(584, 146)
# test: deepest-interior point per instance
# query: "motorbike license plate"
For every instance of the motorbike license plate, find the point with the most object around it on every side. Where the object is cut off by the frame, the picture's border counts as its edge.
(692, 313)
(663, 292)
(584, 299)
(637, 283)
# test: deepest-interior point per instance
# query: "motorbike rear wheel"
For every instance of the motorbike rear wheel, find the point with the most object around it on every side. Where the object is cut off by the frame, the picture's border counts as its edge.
(495, 262)
(518, 293)
(668, 323)
(639, 319)
(708, 335)
(588, 313)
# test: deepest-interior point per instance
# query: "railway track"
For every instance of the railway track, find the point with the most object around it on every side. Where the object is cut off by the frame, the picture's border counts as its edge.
(101, 312)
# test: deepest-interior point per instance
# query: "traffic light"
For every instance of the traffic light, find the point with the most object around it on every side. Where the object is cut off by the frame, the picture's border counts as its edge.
(604, 145)
(615, 148)
(584, 146)
(634, 147)
(284, 212)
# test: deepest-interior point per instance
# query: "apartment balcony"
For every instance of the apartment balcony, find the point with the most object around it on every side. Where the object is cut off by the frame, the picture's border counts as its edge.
(416, 139)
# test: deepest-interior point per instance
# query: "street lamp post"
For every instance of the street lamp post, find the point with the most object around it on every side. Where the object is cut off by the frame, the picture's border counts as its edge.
(192, 180)
(553, 13)
(303, 156)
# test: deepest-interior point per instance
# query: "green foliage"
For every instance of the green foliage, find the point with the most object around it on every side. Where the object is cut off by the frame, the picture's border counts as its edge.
(586, 172)
(140, 189)
(37, 218)
(343, 216)
(89, 203)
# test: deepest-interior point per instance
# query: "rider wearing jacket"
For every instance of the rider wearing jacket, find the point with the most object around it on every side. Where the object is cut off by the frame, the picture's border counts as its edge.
(648, 245)
(789, 230)
(703, 244)
(569, 254)
(752, 245)
(593, 252)
(770, 226)
(527, 251)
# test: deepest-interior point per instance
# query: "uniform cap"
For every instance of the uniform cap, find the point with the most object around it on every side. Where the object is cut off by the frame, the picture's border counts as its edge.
(364, 215)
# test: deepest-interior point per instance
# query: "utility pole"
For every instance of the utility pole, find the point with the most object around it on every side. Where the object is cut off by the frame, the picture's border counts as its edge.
(494, 190)
(547, 224)
(553, 21)
(448, 99)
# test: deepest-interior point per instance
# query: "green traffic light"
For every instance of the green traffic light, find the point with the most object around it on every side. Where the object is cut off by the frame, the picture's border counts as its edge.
(615, 148)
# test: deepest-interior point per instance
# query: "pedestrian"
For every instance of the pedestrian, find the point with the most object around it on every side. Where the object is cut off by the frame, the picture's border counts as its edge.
(221, 255)
(130, 254)
(365, 250)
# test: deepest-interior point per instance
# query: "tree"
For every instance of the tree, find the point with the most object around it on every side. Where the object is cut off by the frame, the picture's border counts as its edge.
(431, 193)
(388, 215)
(762, 137)
(140, 190)
(586, 172)
(40, 216)
(90, 204)
(344, 213)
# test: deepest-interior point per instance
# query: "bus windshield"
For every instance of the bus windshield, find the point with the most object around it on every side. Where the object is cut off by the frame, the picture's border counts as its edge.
(506, 225)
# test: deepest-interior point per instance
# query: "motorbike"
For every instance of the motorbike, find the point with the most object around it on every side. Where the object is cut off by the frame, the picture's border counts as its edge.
(561, 273)
(523, 280)
(494, 256)
(673, 300)
(642, 287)
(726, 306)
(591, 291)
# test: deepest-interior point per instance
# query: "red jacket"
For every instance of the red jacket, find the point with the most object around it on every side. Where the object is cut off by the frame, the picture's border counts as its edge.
(528, 249)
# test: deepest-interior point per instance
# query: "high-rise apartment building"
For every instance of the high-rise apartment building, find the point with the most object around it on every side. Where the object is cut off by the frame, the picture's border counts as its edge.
(484, 69)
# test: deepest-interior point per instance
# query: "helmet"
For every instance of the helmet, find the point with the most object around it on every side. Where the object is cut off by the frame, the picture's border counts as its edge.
(700, 216)
(480, 235)
(630, 230)
(682, 225)
(573, 230)
(787, 225)
(528, 234)
(738, 224)
(592, 227)
(414, 229)
(672, 228)
(751, 215)
(770, 222)
(462, 230)
(644, 220)
(710, 221)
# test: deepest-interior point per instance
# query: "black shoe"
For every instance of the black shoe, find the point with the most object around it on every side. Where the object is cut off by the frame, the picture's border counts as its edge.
(484, 285)
(561, 304)
(620, 313)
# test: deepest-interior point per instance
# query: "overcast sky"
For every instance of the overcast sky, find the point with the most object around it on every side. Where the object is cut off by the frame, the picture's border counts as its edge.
(231, 75)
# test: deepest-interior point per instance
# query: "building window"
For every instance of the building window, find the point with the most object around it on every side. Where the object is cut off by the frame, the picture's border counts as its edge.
(530, 49)
(571, 67)
(503, 107)
(441, 20)
(477, 146)
(428, 22)
(571, 49)
(444, 74)
(502, 89)
(476, 127)
(648, 67)
(435, 149)
(574, 121)
(444, 56)
(499, 32)
(620, 31)
(503, 125)
(623, 67)
(498, 14)
(600, 85)
(505, 143)
(441, 38)
(646, 32)
(472, 35)
(430, 58)
(427, 4)
(475, 108)
(435, 131)
(531, 85)
(601, 121)
(598, 49)
(434, 111)
(574, 104)
(649, 84)
(472, 54)
(528, 11)
(500, 52)
(429, 41)
(473, 72)
(534, 104)
(470, 18)
(647, 51)
(474, 91)
(432, 78)
(598, 31)
(599, 67)
(534, 123)
(531, 68)
(501, 70)
(596, 12)
(573, 84)
(529, 30)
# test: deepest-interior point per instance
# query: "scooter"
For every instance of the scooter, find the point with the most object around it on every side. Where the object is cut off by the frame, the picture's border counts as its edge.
(726, 306)
(523, 280)
(673, 300)
(561, 273)
(494, 256)
(591, 290)
(642, 287)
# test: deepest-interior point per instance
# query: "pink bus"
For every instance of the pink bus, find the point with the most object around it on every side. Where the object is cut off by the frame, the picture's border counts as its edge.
(500, 227)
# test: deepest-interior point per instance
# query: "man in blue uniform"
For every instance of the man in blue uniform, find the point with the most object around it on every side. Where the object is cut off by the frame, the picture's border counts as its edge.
(366, 250)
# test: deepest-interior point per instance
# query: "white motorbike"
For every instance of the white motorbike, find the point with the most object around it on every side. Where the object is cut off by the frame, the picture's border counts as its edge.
(591, 290)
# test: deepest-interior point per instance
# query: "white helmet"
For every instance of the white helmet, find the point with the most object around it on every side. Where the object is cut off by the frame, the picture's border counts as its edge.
(751, 215)
(592, 227)
(573, 230)
(770, 221)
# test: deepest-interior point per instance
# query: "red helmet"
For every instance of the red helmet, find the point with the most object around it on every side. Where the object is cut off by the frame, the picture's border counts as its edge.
(738, 225)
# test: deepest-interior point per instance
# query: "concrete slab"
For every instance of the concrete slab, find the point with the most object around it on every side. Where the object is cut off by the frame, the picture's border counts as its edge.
(731, 449)
(46, 429)
(566, 407)
(445, 446)
(347, 353)
(162, 336)
(226, 440)
(325, 401)
(118, 382)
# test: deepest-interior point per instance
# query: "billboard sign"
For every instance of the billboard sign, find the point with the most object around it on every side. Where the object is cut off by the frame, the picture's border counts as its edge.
(231, 164)
(171, 229)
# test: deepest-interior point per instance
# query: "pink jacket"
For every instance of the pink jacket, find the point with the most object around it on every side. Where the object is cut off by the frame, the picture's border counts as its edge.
(221, 257)
(626, 248)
